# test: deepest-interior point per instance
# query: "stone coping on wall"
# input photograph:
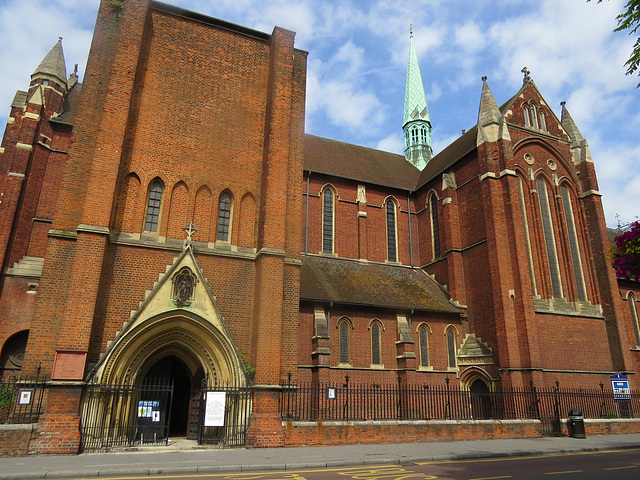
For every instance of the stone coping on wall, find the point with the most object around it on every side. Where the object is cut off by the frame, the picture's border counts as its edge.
(366, 423)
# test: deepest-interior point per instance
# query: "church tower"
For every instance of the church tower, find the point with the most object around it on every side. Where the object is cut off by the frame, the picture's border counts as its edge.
(417, 123)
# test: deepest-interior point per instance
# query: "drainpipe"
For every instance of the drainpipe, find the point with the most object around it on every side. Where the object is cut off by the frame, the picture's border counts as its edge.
(306, 219)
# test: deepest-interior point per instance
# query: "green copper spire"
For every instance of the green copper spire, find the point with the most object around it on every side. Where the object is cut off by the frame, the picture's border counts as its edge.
(417, 123)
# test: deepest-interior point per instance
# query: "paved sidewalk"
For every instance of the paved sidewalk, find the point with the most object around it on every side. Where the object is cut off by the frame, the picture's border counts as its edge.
(184, 457)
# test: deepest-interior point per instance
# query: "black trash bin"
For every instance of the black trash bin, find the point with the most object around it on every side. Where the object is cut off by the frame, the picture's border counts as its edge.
(575, 424)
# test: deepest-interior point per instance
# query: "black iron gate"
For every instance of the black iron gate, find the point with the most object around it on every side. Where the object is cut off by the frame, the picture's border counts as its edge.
(225, 412)
(124, 415)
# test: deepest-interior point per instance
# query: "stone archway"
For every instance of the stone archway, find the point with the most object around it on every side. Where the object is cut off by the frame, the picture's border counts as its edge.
(178, 347)
(12, 355)
(180, 333)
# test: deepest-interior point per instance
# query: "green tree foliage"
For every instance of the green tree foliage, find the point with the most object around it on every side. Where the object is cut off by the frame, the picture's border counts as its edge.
(626, 253)
(630, 20)
(7, 399)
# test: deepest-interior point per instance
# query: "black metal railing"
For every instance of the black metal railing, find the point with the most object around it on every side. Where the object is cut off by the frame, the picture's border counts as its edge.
(225, 412)
(349, 401)
(21, 399)
(124, 415)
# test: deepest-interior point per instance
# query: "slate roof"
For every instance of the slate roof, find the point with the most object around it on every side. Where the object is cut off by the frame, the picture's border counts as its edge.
(70, 106)
(358, 163)
(455, 151)
(356, 283)
(53, 64)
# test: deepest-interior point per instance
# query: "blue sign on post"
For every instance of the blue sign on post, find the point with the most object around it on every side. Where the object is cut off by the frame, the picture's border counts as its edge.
(620, 385)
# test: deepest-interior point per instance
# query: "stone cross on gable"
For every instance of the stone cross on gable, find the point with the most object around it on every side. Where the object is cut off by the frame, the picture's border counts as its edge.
(190, 229)
(526, 72)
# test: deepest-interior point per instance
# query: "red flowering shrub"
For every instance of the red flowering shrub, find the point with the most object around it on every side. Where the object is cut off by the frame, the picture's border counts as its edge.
(626, 253)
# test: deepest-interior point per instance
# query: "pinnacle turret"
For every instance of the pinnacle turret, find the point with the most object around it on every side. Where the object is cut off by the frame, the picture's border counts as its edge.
(491, 123)
(52, 67)
(417, 123)
(580, 150)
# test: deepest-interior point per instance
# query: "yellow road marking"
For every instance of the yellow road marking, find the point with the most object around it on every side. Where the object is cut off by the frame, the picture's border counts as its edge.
(247, 475)
(567, 471)
(524, 457)
(620, 468)
(491, 478)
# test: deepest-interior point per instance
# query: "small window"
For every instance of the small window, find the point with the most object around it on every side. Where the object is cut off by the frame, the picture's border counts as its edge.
(543, 122)
(534, 117)
(423, 336)
(224, 217)
(634, 317)
(344, 342)
(451, 347)
(527, 118)
(154, 202)
(375, 345)
(392, 244)
(435, 227)
(327, 221)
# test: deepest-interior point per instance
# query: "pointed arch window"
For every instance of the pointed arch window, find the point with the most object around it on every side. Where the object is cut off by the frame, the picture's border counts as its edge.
(451, 347)
(574, 247)
(376, 350)
(224, 217)
(527, 238)
(423, 338)
(392, 241)
(631, 298)
(343, 329)
(435, 227)
(527, 118)
(534, 116)
(549, 239)
(543, 121)
(327, 220)
(154, 202)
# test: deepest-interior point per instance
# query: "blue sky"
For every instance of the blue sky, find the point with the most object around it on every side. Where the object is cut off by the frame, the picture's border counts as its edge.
(358, 53)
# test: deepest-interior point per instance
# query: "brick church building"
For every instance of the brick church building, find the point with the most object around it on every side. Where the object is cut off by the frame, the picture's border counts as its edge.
(169, 216)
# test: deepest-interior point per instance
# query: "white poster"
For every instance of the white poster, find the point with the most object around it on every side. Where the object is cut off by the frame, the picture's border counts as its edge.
(214, 409)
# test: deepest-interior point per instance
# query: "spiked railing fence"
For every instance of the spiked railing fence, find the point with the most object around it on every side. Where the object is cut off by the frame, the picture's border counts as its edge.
(21, 399)
(349, 401)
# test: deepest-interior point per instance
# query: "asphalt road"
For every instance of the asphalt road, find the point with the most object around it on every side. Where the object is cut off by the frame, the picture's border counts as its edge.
(609, 465)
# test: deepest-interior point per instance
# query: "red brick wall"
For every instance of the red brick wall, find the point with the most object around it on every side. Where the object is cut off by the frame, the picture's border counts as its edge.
(360, 369)
(16, 306)
(345, 433)
(15, 440)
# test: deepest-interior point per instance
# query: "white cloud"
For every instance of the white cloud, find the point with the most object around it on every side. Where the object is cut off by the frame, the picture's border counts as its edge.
(392, 143)
(469, 37)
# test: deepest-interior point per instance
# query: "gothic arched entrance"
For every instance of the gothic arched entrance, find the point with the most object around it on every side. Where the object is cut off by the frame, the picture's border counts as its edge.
(171, 370)
(178, 348)
(480, 399)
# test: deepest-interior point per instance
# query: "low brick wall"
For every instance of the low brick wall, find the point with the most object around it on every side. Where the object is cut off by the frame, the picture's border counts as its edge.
(15, 439)
(597, 426)
(341, 433)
